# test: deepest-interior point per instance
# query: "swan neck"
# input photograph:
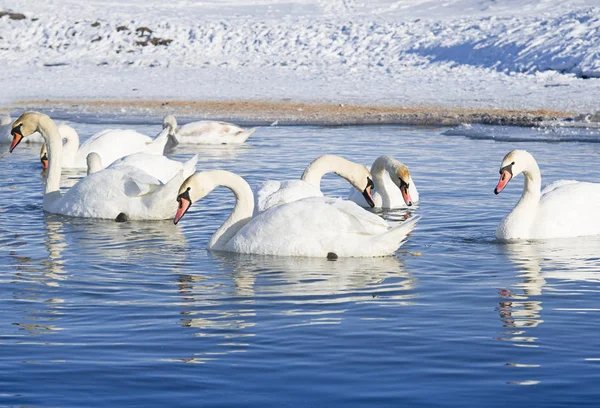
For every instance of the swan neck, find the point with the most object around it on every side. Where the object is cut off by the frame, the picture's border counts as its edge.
(49, 132)
(380, 167)
(71, 144)
(326, 164)
(533, 183)
(242, 211)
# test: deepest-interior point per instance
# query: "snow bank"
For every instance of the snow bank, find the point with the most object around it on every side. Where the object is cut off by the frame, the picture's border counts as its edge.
(320, 41)
(568, 43)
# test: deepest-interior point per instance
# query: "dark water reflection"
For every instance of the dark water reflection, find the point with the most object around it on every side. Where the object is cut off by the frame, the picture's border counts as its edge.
(98, 313)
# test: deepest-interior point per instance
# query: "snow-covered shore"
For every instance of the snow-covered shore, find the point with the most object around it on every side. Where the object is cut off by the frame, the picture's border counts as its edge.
(465, 54)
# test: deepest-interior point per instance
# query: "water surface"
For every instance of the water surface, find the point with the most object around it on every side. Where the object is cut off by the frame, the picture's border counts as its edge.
(97, 313)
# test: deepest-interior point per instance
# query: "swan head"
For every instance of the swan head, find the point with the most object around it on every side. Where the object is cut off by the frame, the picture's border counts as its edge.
(362, 180)
(44, 156)
(25, 125)
(513, 164)
(193, 189)
(402, 180)
(94, 163)
(169, 121)
(398, 172)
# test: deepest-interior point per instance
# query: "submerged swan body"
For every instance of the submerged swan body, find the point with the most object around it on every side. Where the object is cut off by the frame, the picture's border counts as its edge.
(393, 185)
(207, 132)
(106, 194)
(273, 193)
(313, 227)
(110, 145)
(565, 208)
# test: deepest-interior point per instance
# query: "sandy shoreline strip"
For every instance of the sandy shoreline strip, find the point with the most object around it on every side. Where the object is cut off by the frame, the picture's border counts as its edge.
(290, 113)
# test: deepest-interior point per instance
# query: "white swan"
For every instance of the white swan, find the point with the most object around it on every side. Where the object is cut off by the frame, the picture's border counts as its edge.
(115, 193)
(6, 137)
(393, 185)
(207, 132)
(565, 208)
(160, 167)
(110, 144)
(315, 226)
(272, 193)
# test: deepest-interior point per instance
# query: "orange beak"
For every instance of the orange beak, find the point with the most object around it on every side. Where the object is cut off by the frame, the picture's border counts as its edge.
(44, 160)
(17, 137)
(505, 176)
(405, 194)
(184, 204)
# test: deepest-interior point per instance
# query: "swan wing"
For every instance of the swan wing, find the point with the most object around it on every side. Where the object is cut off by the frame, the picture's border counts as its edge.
(212, 132)
(157, 166)
(208, 126)
(557, 184)
(568, 208)
(272, 193)
(137, 183)
(112, 144)
(362, 221)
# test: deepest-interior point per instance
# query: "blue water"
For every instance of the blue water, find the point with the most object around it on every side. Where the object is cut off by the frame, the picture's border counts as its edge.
(140, 314)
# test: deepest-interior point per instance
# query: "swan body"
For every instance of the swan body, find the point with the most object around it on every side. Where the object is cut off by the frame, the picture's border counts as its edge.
(110, 145)
(104, 194)
(207, 132)
(565, 208)
(313, 227)
(273, 193)
(160, 167)
(389, 179)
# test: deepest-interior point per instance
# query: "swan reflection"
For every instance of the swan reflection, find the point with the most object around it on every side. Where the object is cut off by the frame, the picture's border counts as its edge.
(543, 266)
(221, 304)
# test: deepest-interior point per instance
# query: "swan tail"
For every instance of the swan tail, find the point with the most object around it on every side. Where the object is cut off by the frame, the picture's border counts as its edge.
(189, 167)
(245, 134)
(393, 239)
(158, 145)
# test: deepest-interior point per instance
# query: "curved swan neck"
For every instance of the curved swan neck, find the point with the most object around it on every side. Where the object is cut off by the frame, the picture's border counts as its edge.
(49, 132)
(71, 138)
(244, 205)
(381, 166)
(533, 182)
(328, 163)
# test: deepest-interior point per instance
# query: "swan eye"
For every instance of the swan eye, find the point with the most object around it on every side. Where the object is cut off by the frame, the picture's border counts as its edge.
(16, 129)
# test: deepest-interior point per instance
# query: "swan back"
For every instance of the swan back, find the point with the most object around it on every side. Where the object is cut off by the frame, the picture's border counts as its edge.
(316, 226)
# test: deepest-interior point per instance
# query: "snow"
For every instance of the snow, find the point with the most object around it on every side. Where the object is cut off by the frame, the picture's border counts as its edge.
(514, 54)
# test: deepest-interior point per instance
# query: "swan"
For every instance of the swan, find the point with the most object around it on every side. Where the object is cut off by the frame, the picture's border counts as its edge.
(272, 192)
(114, 193)
(565, 208)
(6, 137)
(313, 227)
(110, 144)
(393, 185)
(160, 167)
(207, 132)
